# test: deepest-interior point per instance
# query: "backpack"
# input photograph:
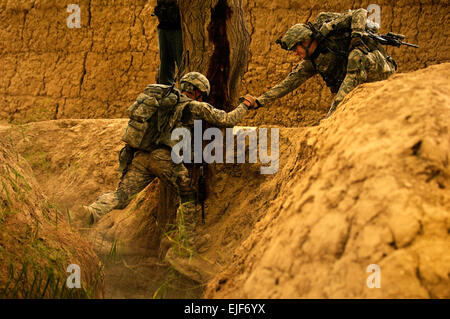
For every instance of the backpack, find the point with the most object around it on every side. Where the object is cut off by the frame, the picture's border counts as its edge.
(150, 115)
(168, 13)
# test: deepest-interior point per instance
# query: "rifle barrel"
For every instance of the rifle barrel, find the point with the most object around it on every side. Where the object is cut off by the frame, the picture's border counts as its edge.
(410, 45)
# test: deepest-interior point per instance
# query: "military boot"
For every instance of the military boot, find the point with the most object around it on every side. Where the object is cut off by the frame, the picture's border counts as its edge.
(184, 255)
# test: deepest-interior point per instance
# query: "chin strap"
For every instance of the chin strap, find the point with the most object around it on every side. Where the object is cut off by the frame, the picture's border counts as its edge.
(306, 48)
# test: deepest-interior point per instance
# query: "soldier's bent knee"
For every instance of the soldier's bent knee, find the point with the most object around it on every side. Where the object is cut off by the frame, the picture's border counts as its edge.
(123, 199)
(355, 61)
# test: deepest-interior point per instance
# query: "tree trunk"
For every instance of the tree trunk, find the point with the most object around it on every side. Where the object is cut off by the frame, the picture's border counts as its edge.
(217, 38)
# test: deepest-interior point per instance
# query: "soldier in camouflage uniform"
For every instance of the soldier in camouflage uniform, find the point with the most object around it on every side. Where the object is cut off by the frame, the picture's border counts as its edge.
(335, 46)
(146, 166)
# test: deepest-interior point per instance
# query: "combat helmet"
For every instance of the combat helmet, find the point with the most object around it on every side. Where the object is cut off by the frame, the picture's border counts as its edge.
(296, 34)
(197, 80)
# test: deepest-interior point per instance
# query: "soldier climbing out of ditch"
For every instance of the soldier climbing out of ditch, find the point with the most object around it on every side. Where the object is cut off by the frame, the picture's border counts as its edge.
(147, 155)
(342, 47)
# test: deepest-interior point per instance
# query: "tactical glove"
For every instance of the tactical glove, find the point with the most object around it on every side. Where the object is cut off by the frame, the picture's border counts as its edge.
(249, 100)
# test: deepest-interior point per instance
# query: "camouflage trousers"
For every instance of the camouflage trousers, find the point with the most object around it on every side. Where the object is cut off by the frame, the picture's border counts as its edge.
(144, 168)
(363, 67)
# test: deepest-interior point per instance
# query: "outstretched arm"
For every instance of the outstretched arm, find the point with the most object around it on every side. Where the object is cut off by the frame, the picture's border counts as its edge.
(297, 77)
(208, 113)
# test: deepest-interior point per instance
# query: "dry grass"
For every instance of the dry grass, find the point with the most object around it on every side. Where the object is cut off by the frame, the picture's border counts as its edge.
(36, 240)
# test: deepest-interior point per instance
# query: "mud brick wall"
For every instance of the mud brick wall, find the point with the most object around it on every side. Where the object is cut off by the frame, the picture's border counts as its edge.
(49, 71)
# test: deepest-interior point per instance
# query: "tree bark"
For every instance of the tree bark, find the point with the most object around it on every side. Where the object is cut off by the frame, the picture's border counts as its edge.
(216, 35)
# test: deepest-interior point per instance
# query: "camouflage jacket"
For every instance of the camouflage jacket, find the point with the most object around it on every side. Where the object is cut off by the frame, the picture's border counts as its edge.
(330, 57)
(189, 110)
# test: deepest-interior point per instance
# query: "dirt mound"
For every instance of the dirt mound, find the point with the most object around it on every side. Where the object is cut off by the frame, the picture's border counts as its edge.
(75, 161)
(52, 72)
(368, 186)
(70, 158)
(36, 240)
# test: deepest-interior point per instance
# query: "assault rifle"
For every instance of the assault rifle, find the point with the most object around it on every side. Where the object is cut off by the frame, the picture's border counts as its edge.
(390, 38)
